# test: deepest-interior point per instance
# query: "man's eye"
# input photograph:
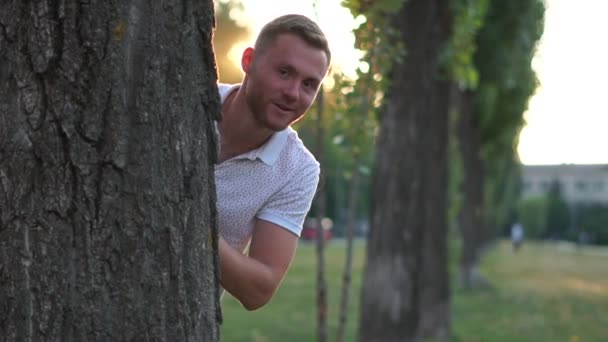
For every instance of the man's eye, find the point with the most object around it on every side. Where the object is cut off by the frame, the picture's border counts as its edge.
(309, 85)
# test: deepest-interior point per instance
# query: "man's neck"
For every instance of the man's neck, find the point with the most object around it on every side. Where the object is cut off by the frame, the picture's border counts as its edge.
(239, 132)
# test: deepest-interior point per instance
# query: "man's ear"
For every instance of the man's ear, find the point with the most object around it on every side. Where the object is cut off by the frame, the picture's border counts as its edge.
(247, 59)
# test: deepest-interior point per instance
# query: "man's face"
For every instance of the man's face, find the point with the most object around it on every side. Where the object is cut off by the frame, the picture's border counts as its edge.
(282, 81)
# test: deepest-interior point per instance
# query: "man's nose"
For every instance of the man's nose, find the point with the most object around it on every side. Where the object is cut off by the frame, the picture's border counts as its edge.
(292, 90)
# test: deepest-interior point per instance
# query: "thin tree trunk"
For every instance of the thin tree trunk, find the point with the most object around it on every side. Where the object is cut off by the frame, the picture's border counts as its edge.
(107, 199)
(359, 123)
(401, 208)
(350, 235)
(320, 206)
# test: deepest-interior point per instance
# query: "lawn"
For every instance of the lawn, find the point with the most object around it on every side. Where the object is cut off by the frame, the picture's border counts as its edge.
(545, 292)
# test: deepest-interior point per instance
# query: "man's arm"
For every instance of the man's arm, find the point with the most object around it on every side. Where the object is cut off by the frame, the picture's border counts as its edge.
(253, 279)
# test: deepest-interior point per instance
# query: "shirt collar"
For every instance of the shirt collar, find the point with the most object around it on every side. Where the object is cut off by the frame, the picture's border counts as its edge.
(270, 150)
(226, 89)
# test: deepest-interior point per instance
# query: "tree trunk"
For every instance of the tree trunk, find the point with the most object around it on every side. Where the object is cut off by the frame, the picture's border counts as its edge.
(471, 214)
(107, 198)
(364, 103)
(409, 189)
(434, 283)
(351, 221)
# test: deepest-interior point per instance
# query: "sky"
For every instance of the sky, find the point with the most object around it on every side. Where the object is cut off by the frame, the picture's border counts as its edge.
(567, 118)
(335, 20)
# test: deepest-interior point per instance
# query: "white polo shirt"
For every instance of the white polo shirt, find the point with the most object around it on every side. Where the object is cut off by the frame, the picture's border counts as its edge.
(275, 182)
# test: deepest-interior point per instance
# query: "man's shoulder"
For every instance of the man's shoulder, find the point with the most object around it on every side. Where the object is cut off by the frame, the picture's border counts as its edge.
(225, 89)
(296, 152)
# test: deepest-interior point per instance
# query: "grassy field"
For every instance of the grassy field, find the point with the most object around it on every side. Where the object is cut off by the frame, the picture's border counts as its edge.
(545, 292)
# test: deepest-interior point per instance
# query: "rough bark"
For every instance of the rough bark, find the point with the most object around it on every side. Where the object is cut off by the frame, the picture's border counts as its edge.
(471, 214)
(406, 248)
(107, 200)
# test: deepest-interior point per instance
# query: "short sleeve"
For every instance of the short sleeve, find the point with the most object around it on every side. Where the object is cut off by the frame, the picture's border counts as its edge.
(290, 205)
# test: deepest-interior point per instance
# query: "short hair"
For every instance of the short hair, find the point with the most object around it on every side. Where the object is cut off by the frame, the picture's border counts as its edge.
(297, 24)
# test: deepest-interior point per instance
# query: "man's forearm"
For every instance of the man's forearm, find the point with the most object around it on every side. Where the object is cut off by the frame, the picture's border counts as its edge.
(248, 280)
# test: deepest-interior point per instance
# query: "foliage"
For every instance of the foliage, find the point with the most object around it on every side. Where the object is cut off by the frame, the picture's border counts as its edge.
(382, 47)
(379, 41)
(372, 8)
(593, 220)
(549, 216)
(456, 173)
(339, 161)
(532, 214)
(457, 61)
(505, 47)
(502, 192)
(492, 45)
(558, 217)
(457, 57)
(546, 216)
(353, 105)
(545, 292)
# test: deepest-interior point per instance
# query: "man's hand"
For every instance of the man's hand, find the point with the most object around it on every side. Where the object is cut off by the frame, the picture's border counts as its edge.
(253, 279)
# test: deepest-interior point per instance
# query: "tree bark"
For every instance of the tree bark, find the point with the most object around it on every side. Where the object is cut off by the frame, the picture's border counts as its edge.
(407, 244)
(107, 197)
(434, 283)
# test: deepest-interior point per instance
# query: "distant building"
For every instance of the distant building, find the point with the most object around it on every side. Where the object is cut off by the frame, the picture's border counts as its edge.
(579, 183)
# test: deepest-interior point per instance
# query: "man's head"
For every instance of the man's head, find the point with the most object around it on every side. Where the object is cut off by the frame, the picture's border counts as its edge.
(295, 24)
(284, 70)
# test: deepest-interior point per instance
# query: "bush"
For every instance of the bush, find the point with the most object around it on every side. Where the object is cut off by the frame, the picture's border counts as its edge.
(593, 220)
(532, 214)
(558, 214)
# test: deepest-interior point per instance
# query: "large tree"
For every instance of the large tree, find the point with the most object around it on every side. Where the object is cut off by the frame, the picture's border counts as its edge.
(491, 117)
(405, 290)
(107, 208)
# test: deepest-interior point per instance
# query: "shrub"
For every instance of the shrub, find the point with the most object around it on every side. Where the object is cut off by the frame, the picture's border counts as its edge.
(532, 214)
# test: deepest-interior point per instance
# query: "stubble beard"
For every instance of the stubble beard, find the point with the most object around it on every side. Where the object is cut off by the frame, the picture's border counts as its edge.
(260, 116)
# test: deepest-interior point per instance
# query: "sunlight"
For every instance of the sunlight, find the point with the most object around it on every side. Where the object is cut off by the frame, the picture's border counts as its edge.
(586, 286)
(236, 52)
(335, 20)
(566, 119)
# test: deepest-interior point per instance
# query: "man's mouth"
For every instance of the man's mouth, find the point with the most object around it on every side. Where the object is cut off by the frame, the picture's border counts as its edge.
(283, 107)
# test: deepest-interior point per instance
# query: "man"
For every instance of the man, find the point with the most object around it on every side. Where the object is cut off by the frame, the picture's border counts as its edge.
(517, 235)
(265, 177)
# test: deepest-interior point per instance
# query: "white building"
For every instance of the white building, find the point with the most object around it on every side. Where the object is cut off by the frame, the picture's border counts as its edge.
(579, 183)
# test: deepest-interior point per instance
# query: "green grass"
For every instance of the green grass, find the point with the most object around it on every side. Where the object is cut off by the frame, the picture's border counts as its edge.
(545, 292)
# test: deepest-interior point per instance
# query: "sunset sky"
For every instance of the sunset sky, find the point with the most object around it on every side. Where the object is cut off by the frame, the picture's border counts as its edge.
(567, 120)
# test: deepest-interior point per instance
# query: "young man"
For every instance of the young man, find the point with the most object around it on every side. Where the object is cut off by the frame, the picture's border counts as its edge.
(265, 177)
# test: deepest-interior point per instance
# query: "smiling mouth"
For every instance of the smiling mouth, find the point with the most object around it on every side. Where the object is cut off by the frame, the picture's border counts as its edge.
(283, 108)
